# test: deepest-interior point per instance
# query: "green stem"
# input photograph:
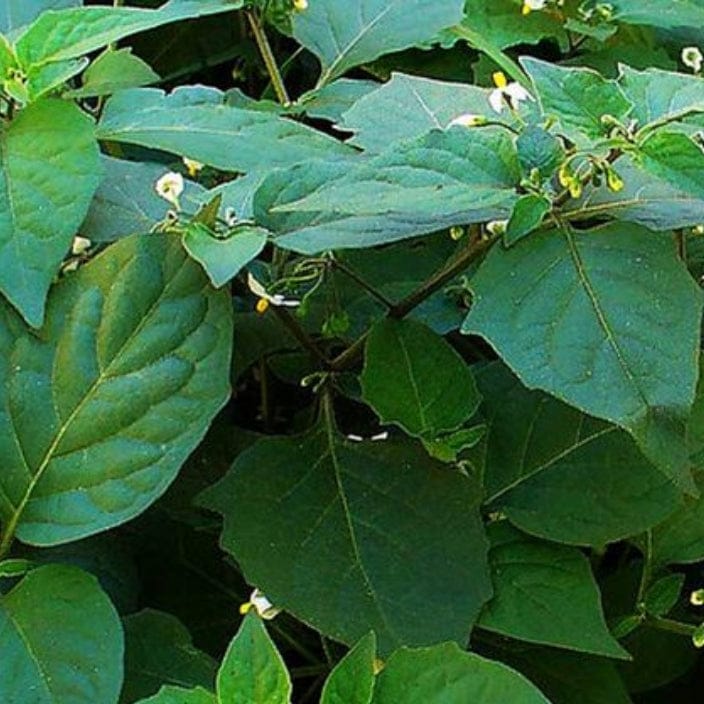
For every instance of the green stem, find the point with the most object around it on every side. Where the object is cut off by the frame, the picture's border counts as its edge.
(362, 283)
(647, 567)
(6, 543)
(272, 67)
(493, 52)
(671, 626)
(293, 326)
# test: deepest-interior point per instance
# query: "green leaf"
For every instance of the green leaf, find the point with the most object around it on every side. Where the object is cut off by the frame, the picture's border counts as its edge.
(158, 651)
(417, 187)
(17, 13)
(561, 475)
(663, 595)
(538, 149)
(331, 101)
(113, 70)
(559, 311)
(645, 200)
(344, 35)
(577, 97)
(527, 216)
(545, 593)
(659, 13)
(385, 531)
(177, 695)
(444, 674)
(660, 95)
(223, 258)
(352, 679)
(413, 378)
(676, 159)
(126, 202)
(50, 170)
(60, 639)
(100, 411)
(418, 105)
(199, 123)
(67, 34)
(253, 671)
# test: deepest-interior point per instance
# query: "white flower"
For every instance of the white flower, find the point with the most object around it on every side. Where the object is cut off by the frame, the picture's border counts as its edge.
(531, 5)
(276, 299)
(230, 217)
(692, 58)
(497, 227)
(468, 120)
(505, 92)
(193, 166)
(170, 187)
(300, 5)
(80, 245)
(264, 608)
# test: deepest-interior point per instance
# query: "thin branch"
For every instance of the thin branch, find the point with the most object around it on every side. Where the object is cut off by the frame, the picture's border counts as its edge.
(361, 282)
(272, 67)
(294, 327)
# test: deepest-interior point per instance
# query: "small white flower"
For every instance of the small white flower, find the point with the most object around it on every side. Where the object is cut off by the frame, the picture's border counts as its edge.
(300, 5)
(692, 58)
(80, 245)
(505, 92)
(170, 187)
(531, 5)
(355, 438)
(468, 120)
(497, 227)
(380, 436)
(193, 166)
(264, 608)
(277, 299)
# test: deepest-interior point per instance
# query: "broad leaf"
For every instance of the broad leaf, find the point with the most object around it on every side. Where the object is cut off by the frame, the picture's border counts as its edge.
(126, 202)
(660, 95)
(676, 159)
(413, 378)
(252, 670)
(345, 34)
(352, 679)
(545, 593)
(539, 149)
(158, 651)
(100, 411)
(578, 98)
(179, 695)
(561, 475)
(60, 639)
(223, 258)
(418, 105)
(358, 536)
(444, 674)
(527, 216)
(50, 170)
(199, 123)
(660, 13)
(596, 317)
(17, 13)
(73, 32)
(333, 100)
(417, 187)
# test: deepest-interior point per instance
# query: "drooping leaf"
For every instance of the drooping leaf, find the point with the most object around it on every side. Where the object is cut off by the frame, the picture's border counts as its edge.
(417, 187)
(72, 32)
(101, 410)
(159, 651)
(253, 670)
(60, 639)
(223, 258)
(344, 35)
(595, 318)
(418, 105)
(413, 378)
(444, 674)
(561, 475)
(545, 593)
(352, 679)
(113, 70)
(50, 170)
(126, 202)
(577, 97)
(199, 123)
(359, 536)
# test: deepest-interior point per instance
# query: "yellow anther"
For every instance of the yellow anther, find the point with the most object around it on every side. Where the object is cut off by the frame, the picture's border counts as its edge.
(499, 78)
(262, 306)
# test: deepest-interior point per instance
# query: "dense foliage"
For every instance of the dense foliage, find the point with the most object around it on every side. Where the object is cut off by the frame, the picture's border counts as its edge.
(350, 351)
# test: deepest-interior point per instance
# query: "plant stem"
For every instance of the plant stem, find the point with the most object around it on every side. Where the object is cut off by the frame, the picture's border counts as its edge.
(294, 327)
(359, 280)
(647, 567)
(6, 543)
(451, 270)
(272, 67)
(671, 626)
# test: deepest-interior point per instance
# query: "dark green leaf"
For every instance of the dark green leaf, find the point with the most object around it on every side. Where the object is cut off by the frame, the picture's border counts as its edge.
(392, 538)
(663, 595)
(675, 158)
(538, 149)
(660, 13)
(527, 216)
(545, 593)
(101, 410)
(60, 639)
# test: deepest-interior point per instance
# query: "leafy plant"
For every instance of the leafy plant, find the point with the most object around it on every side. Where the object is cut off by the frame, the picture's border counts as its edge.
(327, 376)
